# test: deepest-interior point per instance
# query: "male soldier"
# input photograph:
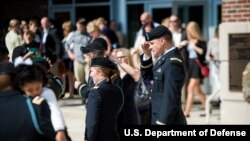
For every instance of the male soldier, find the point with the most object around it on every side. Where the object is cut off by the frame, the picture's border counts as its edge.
(22, 119)
(167, 73)
(95, 49)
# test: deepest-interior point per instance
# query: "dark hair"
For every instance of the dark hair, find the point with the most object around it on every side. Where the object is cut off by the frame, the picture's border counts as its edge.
(30, 73)
(151, 24)
(81, 21)
(168, 37)
(33, 22)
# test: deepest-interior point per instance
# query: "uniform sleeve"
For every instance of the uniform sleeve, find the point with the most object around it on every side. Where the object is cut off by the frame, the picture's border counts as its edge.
(83, 90)
(173, 81)
(93, 114)
(146, 68)
(56, 114)
(44, 120)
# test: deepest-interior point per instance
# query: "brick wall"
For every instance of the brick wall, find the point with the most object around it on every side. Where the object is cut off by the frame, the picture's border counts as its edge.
(236, 11)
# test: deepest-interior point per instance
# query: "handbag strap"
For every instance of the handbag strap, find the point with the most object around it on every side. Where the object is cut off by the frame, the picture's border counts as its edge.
(198, 61)
(33, 115)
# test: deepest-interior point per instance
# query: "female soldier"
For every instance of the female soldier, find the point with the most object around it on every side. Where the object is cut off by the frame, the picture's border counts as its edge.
(104, 102)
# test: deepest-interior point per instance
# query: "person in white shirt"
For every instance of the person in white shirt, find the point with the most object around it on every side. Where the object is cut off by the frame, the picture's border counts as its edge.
(145, 18)
(13, 37)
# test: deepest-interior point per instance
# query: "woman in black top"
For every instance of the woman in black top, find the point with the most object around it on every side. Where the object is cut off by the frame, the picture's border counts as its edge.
(130, 78)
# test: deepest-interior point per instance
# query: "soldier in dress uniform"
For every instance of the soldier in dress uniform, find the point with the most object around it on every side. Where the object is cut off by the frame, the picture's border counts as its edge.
(95, 49)
(162, 63)
(104, 102)
(22, 118)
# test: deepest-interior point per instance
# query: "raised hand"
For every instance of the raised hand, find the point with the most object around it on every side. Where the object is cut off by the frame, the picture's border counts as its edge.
(145, 48)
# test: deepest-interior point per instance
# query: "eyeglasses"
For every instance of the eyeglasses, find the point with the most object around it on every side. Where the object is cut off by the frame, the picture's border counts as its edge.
(143, 21)
(120, 57)
(92, 32)
(173, 21)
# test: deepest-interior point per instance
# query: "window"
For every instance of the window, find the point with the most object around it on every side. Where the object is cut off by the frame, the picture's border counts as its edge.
(191, 13)
(92, 12)
(61, 1)
(133, 21)
(160, 13)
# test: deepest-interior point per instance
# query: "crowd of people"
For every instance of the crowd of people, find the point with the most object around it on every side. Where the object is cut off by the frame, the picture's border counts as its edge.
(120, 86)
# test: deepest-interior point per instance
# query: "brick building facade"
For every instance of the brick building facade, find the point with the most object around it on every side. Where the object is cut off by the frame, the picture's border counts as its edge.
(236, 11)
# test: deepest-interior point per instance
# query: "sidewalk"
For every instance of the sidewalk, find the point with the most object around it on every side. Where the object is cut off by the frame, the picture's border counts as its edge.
(74, 114)
(196, 119)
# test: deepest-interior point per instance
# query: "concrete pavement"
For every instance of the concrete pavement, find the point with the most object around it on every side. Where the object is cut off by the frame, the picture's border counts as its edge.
(74, 114)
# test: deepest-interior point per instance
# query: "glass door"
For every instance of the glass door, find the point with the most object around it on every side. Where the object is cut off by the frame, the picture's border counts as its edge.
(160, 10)
(59, 15)
(193, 11)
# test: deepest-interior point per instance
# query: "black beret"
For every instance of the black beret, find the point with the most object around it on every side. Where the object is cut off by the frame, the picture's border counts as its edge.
(103, 62)
(6, 68)
(97, 44)
(157, 32)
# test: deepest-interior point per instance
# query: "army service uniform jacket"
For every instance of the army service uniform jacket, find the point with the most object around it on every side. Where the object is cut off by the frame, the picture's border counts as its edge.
(103, 106)
(168, 78)
(16, 120)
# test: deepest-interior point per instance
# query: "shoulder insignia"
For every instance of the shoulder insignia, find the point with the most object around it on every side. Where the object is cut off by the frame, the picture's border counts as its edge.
(38, 100)
(95, 87)
(176, 59)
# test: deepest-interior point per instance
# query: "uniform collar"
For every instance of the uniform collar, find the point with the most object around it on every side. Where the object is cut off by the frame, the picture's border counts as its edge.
(166, 51)
(162, 59)
(102, 82)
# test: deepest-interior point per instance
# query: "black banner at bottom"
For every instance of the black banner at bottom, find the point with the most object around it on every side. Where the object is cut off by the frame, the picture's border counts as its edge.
(162, 132)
